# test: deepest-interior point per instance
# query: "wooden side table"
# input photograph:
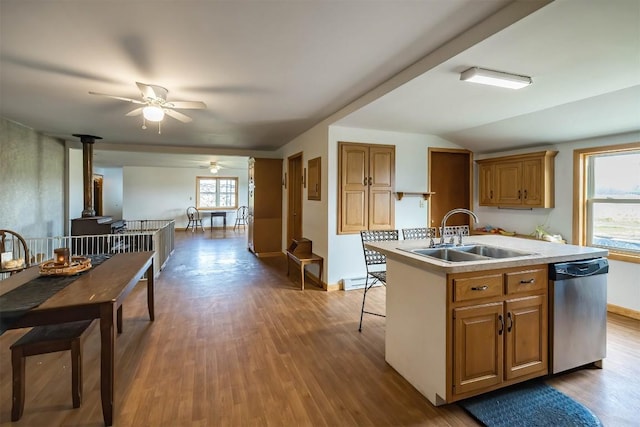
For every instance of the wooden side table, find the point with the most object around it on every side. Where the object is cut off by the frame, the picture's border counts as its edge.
(304, 259)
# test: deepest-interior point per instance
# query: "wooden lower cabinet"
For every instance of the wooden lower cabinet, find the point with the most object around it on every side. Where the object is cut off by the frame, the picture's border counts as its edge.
(477, 347)
(526, 337)
(499, 339)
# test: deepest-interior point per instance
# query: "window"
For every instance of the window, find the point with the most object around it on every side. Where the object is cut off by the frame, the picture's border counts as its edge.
(216, 192)
(607, 211)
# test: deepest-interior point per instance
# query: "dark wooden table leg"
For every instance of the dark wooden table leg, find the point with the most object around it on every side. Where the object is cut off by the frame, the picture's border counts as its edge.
(119, 320)
(107, 355)
(150, 291)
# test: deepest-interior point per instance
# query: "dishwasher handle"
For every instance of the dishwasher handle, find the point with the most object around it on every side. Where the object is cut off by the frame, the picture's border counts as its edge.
(570, 270)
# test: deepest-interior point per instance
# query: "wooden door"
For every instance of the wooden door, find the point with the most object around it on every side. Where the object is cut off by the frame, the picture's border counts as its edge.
(97, 194)
(508, 183)
(381, 197)
(533, 182)
(526, 337)
(486, 174)
(294, 198)
(477, 347)
(354, 198)
(251, 204)
(450, 178)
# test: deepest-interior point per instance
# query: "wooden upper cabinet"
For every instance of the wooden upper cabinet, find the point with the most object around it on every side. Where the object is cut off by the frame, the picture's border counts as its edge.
(366, 185)
(525, 180)
(486, 192)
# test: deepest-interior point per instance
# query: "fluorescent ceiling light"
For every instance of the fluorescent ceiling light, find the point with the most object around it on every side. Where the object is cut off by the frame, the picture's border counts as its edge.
(495, 78)
(153, 113)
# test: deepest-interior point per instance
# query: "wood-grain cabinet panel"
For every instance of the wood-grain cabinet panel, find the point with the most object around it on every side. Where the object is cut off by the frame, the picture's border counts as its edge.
(525, 180)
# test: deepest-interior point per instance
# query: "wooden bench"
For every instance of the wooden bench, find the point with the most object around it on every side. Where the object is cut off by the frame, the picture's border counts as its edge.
(48, 339)
(300, 252)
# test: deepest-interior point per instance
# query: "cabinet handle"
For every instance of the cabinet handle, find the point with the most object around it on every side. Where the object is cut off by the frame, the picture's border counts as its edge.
(491, 194)
(370, 181)
(364, 182)
(501, 324)
(519, 194)
(480, 288)
(526, 282)
(510, 322)
(525, 194)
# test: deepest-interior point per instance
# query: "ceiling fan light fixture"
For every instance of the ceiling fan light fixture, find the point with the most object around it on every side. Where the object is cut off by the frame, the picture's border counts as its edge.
(495, 78)
(214, 167)
(153, 113)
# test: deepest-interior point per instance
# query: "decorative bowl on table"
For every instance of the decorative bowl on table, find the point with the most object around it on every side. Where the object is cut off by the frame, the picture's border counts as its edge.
(77, 264)
(13, 263)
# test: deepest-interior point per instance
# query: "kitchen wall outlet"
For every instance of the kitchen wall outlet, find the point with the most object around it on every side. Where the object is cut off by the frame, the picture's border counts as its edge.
(421, 203)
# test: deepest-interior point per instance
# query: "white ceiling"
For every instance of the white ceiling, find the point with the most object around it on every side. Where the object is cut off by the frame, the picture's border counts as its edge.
(269, 70)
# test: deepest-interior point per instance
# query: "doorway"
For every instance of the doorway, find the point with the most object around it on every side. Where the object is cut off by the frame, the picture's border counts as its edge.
(451, 178)
(97, 194)
(294, 197)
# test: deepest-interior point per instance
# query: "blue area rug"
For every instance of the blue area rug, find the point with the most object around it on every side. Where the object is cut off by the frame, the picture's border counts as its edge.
(529, 405)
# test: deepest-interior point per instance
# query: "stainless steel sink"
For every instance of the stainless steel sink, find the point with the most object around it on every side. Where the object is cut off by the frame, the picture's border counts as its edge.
(467, 253)
(448, 254)
(492, 251)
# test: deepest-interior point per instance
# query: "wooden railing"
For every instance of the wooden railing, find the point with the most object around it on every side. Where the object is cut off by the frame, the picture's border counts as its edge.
(140, 235)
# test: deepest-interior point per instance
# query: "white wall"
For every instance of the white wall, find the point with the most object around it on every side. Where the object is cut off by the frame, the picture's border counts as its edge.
(624, 278)
(165, 193)
(74, 186)
(112, 192)
(311, 144)
(345, 251)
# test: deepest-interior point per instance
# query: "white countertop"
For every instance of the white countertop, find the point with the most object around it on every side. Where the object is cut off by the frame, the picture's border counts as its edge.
(542, 252)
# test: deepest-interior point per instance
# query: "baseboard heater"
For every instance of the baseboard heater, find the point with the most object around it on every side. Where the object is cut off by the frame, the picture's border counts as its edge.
(355, 283)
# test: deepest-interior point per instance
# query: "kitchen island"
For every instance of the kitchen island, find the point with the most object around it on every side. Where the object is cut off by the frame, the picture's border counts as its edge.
(458, 329)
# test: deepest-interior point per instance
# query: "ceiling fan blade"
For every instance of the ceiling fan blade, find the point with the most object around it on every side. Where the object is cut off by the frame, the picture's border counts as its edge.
(178, 116)
(188, 104)
(146, 90)
(133, 101)
(152, 92)
(135, 112)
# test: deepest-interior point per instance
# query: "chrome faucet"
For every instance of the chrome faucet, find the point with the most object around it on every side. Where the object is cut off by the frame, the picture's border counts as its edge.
(453, 212)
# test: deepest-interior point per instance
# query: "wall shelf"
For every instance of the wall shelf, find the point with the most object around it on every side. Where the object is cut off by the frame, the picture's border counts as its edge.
(401, 194)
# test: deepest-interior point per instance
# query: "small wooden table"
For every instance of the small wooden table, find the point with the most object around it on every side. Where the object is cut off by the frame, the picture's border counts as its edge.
(97, 294)
(300, 252)
(223, 214)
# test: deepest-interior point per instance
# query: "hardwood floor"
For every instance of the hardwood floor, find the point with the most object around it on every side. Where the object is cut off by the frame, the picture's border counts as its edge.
(236, 343)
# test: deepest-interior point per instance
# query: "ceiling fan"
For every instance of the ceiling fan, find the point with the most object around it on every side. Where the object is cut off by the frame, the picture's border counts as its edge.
(155, 104)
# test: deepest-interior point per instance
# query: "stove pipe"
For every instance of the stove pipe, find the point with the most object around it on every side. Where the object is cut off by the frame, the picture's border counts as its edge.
(87, 172)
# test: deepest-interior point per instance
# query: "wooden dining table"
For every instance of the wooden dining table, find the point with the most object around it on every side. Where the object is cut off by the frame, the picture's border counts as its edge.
(96, 294)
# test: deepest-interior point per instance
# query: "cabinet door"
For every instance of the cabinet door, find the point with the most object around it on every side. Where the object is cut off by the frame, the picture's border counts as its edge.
(354, 198)
(485, 187)
(533, 182)
(508, 183)
(381, 198)
(526, 337)
(478, 345)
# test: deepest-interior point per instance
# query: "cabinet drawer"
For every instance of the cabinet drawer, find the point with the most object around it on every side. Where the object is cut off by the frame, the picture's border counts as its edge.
(526, 281)
(477, 287)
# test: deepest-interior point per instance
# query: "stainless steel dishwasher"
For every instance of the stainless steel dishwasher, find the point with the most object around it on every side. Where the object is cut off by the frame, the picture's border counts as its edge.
(578, 314)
